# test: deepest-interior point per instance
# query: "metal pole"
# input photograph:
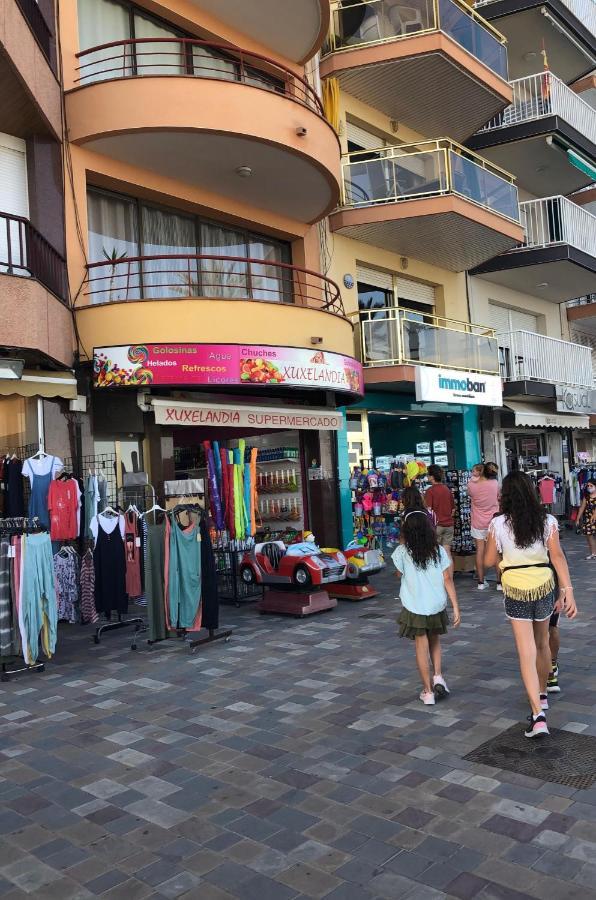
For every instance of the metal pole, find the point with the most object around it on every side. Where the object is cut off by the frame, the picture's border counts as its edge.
(40, 424)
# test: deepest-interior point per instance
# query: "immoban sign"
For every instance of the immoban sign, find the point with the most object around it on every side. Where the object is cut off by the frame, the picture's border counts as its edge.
(448, 386)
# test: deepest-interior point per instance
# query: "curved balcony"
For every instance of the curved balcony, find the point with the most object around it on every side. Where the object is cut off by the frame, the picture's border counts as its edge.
(435, 65)
(213, 116)
(210, 299)
(295, 29)
(434, 201)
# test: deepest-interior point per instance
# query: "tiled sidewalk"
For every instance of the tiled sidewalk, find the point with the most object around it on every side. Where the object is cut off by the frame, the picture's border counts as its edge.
(294, 761)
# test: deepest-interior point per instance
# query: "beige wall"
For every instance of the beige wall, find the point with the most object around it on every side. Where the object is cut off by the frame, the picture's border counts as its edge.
(482, 292)
(34, 319)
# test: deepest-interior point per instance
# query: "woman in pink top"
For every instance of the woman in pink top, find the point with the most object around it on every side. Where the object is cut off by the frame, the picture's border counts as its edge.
(483, 489)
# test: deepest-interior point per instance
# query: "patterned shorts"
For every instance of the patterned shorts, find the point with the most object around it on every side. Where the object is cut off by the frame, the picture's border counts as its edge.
(530, 610)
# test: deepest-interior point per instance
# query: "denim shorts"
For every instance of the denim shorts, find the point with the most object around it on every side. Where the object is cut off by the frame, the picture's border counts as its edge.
(530, 610)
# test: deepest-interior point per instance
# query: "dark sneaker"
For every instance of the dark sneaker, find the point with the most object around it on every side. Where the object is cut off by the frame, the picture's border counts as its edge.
(552, 685)
(537, 726)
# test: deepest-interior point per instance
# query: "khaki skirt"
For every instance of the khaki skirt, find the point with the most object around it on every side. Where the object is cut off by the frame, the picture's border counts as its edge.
(412, 625)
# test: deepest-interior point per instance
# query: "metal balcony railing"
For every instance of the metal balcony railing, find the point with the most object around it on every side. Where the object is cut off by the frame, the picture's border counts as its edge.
(185, 57)
(360, 23)
(541, 95)
(392, 336)
(427, 169)
(527, 356)
(24, 252)
(586, 300)
(37, 24)
(180, 276)
(557, 220)
(583, 10)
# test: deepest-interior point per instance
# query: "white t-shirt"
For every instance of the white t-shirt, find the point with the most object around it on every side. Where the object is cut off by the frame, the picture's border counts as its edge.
(107, 523)
(518, 556)
(41, 466)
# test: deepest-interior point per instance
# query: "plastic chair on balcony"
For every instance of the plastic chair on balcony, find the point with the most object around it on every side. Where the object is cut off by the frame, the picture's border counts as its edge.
(403, 19)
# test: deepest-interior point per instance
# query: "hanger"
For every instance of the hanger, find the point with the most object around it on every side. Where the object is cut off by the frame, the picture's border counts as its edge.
(109, 509)
(40, 454)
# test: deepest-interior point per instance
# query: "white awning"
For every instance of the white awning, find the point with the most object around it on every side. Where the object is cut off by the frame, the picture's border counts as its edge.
(41, 383)
(228, 415)
(538, 417)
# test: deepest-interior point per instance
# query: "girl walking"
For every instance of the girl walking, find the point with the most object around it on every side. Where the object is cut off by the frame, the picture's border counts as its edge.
(483, 489)
(524, 543)
(586, 517)
(426, 583)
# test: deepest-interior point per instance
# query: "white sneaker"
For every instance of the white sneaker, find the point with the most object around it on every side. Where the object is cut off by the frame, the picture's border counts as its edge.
(500, 587)
(427, 697)
(483, 586)
(440, 687)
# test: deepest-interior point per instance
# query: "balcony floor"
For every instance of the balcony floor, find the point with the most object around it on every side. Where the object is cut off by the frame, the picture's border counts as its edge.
(527, 31)
(522, 150)
(428, 82)
(447, 231)
(567, 272)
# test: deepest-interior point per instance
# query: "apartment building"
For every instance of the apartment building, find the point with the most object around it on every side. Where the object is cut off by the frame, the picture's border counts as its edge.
(421, 220)
(36, 336)
(357, 224)
(197, 164)
(547, 139)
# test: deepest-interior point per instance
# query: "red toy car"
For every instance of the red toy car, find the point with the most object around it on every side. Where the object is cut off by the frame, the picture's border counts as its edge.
(300, 565)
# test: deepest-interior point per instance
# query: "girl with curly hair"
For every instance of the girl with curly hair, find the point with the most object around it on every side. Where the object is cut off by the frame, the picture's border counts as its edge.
(426, 582)
(524, 543)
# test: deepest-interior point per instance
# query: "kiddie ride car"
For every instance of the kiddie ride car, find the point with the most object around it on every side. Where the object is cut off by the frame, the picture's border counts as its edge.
(299, 566)
(361, 563)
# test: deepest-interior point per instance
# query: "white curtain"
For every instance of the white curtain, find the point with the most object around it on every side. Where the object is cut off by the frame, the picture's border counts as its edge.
(158, 58)
(113, 231)
(222, 278)
(100, 22)
(166, 233)
(207, 63)
(271, 282)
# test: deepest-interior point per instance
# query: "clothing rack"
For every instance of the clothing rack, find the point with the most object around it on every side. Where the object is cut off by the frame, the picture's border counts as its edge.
(138, 623)
(211, 636)
(12, 665)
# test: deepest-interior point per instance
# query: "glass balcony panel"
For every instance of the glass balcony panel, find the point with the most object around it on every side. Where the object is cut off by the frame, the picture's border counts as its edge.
(358, 23)
(380, 345)
(483, 186)
(388, 179)
(436, 346)
(474, 37)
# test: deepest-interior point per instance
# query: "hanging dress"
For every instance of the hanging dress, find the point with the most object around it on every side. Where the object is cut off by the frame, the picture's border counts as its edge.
(154, 580)
(183, 575)
(109, 561)
(133, 555)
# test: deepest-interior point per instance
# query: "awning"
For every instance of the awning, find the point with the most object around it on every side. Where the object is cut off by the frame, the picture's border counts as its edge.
(40, 383)
(582, 164)
(227, 415)
(537, 417)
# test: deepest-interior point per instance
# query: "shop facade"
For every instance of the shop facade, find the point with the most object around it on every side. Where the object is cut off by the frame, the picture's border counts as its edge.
(157, 409)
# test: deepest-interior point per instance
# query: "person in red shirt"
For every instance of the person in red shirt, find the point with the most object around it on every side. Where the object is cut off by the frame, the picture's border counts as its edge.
(440, 499)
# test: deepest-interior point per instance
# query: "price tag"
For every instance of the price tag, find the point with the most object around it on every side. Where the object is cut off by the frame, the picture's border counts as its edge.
(137, 542)
(12, 552)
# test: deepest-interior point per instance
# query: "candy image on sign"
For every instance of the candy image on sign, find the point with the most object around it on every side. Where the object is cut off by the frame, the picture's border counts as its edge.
(202, 364)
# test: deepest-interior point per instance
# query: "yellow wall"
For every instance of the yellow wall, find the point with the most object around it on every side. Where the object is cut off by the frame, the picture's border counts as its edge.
(450, 286)
(482, 292)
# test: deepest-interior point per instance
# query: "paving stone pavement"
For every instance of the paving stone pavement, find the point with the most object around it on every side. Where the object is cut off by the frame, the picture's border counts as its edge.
(292, 762)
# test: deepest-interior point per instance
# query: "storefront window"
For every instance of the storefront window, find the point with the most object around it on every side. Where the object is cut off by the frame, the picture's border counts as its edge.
(168, 242)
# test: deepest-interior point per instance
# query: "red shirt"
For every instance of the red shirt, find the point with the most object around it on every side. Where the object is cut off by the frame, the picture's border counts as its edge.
(63, 503)
(440, 499)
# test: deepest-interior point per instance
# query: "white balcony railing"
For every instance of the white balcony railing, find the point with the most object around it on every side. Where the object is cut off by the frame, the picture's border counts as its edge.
(557, 220)
(542, 95)
(392, 336)
(583, 10)
(527, 356)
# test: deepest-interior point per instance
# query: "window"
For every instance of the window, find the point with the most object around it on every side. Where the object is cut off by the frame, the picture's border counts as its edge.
(14, 201)
(105, 21)
(122, 228)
